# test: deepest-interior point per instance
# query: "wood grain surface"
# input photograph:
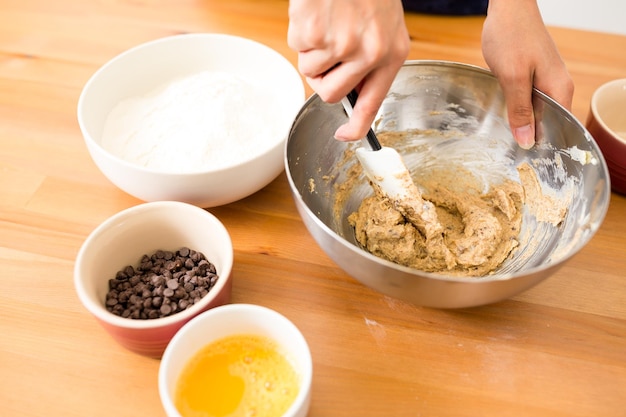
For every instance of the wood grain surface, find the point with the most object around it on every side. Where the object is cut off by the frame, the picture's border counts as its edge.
(558, 349)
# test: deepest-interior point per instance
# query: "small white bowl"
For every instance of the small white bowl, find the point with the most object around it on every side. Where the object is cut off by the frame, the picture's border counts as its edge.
(123, 239)
(234, 319)
(140, 70)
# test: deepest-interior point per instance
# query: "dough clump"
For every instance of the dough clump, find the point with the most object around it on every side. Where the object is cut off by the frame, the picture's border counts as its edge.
(478, 230)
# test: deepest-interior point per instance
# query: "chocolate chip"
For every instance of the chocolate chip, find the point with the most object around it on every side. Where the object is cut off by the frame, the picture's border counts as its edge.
(180, 293)
(166, 310)
(157, 301)
(161, 284)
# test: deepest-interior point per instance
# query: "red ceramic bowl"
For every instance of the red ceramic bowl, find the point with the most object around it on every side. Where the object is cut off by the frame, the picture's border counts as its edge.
(123, 239)
(606, 122)
(618, 177)
(616, 168)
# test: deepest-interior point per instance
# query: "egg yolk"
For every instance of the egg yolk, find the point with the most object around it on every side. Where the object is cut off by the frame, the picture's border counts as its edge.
(241, 375)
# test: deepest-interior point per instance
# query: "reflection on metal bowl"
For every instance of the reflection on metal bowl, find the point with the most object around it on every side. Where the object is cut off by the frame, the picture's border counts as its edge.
(464, 105)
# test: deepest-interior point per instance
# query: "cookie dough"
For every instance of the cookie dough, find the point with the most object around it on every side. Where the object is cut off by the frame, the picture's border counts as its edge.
(460, 226)
(476, 231)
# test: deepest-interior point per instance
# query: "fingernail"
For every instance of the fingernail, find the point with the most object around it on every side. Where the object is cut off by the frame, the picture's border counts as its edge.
(340, 133)
(524, 136)
(338, 136)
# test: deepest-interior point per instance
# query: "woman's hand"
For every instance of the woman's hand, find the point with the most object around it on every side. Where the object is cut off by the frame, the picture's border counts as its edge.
(346, 44)
(520, 52)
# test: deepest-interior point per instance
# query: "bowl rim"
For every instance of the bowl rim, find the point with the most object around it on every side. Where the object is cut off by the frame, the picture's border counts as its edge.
(178, 38)
(99, 310)
(306, 373)
(438, 276)
(595, 97)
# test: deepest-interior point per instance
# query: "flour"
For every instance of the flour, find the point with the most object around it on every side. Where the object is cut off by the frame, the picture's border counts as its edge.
(208, 120)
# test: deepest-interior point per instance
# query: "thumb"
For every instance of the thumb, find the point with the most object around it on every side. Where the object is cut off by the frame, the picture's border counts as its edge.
(363, 114)
(356, 128)
(518, 98)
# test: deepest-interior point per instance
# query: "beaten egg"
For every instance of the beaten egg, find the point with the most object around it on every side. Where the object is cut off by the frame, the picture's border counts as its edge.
(241, 375)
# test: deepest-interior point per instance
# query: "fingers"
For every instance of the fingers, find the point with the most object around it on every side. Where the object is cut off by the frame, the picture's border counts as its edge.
(556, 82)
(521, 53)
(347, 44)
(372, 85)
(517, 91)
(335, 83)
(317, 55)
(363, 115)
(524, 113)
(563, 94)
(372, 92)
(332, 81)
(316, 63)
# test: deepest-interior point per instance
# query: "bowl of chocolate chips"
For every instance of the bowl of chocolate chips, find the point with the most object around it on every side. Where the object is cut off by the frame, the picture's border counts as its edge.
(147, 270)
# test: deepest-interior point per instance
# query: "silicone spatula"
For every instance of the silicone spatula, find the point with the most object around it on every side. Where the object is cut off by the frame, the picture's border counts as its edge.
(390, 178)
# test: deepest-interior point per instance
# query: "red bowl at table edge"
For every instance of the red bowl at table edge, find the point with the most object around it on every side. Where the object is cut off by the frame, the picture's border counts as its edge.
(616, 170)
(612, 148)
(618, 181)
(152, 342)
(617, 175)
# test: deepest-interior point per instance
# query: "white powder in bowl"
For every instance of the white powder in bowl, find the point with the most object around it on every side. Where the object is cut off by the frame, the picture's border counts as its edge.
(204, 121)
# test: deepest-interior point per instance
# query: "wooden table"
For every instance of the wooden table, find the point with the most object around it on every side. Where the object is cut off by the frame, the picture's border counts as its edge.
(557, 350)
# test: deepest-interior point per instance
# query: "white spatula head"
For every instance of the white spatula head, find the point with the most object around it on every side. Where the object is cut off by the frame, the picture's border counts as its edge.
(386, 170)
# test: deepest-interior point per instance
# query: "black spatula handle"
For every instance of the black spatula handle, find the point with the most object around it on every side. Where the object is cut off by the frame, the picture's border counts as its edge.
(371, 136)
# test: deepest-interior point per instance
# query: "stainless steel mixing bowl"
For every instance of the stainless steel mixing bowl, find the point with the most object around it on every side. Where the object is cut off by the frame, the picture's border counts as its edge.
(465, 104)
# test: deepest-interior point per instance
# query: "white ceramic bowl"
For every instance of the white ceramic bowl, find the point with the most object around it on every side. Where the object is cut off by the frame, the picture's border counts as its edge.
(123, 239)
(234, 319)
(140, 70)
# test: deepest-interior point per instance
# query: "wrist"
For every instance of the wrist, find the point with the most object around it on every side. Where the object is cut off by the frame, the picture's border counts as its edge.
(512, 5)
